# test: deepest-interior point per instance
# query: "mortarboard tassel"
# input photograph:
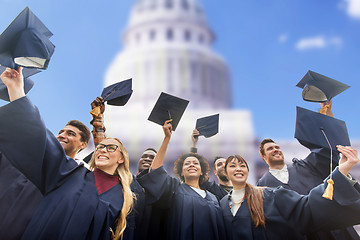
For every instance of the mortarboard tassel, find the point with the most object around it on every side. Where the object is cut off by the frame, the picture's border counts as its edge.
(329, 191)
(96, 111)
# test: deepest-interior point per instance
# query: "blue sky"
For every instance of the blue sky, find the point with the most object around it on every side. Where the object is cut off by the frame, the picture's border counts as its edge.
(269, 45)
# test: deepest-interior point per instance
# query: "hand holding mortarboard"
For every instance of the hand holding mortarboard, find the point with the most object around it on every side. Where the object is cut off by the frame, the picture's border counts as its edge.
(13, 79)
(319, 88)
(25, 42)
(167, 128)
(168, 107)
(99, 105)
(208, 126)
(195, 137)
(117, 94)
(28, 83)
(99, 129)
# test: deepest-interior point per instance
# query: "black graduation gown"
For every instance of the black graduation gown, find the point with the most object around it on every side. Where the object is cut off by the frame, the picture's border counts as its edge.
(305, 175)
(215, 189)
(19, 199)
(289, 215)
(71, 207)
(190, 216)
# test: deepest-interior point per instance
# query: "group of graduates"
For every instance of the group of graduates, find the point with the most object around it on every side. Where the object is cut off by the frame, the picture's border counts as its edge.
(45, 193)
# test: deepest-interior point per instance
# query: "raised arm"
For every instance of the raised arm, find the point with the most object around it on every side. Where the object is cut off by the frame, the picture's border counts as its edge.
(159, 158)
(99, 129)
(26, 142)
(314, 212)
(195, 139)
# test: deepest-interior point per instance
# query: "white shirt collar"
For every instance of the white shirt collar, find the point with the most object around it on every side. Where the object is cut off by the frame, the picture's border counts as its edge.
(281, 174)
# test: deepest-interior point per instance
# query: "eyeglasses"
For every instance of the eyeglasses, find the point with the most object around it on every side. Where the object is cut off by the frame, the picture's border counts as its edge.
(109, 147)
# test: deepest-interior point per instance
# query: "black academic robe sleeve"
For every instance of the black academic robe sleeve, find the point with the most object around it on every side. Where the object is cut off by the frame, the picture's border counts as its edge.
(30, 147)
(290, 215)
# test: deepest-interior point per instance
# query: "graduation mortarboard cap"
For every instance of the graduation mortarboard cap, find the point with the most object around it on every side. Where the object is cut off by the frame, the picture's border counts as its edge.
(25, 42)
(117, 94)
(208, 126)
(168, 107)
(28, 83)
(318, 130)
(319, 88)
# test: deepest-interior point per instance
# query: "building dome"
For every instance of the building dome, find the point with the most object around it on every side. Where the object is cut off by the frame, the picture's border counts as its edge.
(167, 48)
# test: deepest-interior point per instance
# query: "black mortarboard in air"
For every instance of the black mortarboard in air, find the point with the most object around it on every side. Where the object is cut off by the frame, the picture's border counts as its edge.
(25, 42)
(168, 107)
(28, 83)
(319, 88)
(118, 94)
(316, 130)
(208, 126)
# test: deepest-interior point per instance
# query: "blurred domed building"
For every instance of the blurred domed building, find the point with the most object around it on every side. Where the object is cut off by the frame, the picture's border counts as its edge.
(167, 47)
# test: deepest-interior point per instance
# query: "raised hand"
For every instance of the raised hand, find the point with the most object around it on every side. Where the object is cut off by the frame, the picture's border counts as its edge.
(349, 158)
(99, 102)
(14, 81)
(195, 137)
(167, 128)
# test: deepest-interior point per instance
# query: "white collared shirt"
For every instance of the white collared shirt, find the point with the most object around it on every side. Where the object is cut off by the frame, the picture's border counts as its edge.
(282, 175)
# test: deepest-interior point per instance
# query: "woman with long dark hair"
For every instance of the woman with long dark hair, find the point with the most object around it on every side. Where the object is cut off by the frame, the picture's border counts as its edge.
(192, 213)
(252, 212)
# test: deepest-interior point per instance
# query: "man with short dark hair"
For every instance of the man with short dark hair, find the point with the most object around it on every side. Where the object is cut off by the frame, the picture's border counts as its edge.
(74, 137)
(146, 159)
(219, 171)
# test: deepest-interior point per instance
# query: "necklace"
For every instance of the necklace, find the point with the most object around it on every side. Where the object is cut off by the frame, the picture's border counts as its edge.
(232, 202)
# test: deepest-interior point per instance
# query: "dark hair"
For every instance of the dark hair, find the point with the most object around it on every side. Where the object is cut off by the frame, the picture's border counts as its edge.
(151, 149)
(205, 168)
(263, 142)
(254, 196)
(216, 158)
(84, 131)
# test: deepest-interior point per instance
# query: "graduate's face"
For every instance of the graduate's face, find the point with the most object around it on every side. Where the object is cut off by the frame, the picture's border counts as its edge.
(273, 154)
(108, 155)
(191, 168)
(237, 172)
(70, 139)
(146, 160)
(219, 169)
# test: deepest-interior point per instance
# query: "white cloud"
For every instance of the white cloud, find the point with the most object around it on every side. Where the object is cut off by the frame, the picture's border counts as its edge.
(318, 42)
(352, 7)
(283, 38)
